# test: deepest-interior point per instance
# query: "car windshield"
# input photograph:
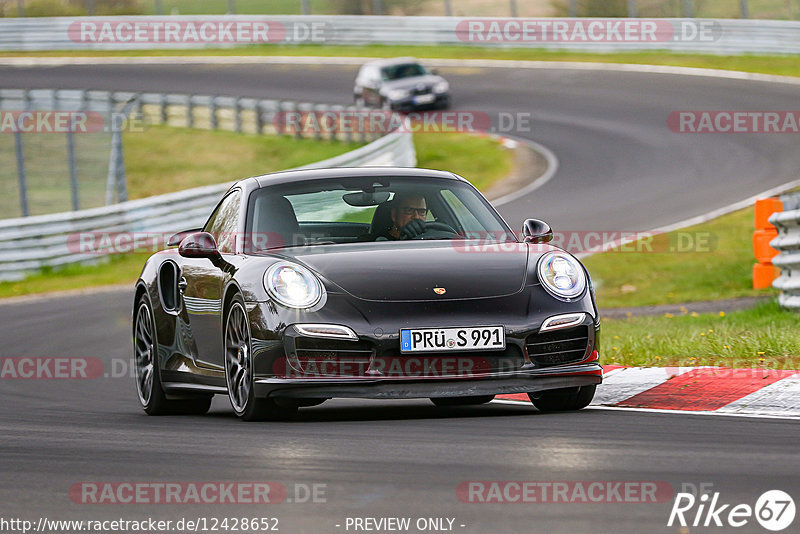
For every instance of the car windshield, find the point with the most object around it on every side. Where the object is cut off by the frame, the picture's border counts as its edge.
(349, 210)
(405, 70)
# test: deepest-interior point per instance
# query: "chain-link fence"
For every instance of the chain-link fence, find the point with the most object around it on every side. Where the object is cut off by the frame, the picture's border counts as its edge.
(757, 9)
(59, 151)
(62, 150)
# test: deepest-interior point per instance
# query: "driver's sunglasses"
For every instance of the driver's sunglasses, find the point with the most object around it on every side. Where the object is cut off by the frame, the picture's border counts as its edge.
(408, 210)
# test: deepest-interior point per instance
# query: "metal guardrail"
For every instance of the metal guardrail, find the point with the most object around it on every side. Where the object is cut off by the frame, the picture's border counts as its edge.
(788, 246)
(724, 36)
(29, 243)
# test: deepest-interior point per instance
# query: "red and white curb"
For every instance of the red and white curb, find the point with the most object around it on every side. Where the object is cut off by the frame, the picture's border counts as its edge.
(706, 390)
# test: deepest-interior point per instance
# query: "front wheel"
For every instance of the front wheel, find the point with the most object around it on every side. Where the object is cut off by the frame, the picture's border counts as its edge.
(563, 400)
(148, 374)
(239, 370)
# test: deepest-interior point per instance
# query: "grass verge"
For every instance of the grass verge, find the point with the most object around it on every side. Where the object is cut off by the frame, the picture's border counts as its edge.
(164, 159)
(786, 65)
(716, 264)
(710, 261)
(765, 336)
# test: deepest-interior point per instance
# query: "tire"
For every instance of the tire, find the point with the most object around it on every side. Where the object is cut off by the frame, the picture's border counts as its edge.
(563, 400)
(444, 402)
(148, 374)
(239, 369)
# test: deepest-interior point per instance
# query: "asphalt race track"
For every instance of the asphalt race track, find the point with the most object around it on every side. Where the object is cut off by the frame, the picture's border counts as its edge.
(620, 169)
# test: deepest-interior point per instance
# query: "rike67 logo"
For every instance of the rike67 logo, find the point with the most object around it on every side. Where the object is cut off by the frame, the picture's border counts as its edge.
(774, 510)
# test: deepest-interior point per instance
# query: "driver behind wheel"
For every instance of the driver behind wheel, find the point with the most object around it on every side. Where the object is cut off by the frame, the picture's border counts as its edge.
(408, 214)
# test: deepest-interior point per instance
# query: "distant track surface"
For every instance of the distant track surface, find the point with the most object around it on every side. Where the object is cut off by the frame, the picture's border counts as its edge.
(620, 169)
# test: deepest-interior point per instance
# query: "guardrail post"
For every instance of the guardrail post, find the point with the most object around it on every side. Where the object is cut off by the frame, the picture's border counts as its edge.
(20, 8)
(212, 113)
(159, 7)
(259, 109)
(305, 7)
(377, 7)
(688, 9)
(237, 115)
(231, 7)
(632, 12)
(352, 111)
(163, 109)
(23, 190)
(448, 8)
(512, 8)
(337, 113)
(744, 9)
(573, 8)
(139, 107)
(73, 170)
(301, 108)
(90, 7)
(189, 112)
(116, 170)
(319, 114)
(282, 108)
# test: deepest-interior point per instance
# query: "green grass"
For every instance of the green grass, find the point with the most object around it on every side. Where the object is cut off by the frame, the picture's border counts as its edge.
(720, 267)
(765, 336)
(717, 264)
(479, 159)
(163, 159)
(786, 65)
(111, 270)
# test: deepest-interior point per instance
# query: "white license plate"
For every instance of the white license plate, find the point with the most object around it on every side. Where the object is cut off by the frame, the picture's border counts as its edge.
(424, 99)
(453, 339)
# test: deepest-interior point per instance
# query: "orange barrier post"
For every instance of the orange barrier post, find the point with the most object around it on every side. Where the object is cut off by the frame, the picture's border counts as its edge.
(764, 273)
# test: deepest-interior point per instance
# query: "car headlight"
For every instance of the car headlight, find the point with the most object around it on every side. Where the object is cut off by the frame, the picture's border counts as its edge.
(398, 94)
(561, 275)
(441, 87)
(292, 285)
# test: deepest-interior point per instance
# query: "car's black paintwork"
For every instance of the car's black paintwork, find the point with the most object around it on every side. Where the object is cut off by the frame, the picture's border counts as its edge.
(374, 288)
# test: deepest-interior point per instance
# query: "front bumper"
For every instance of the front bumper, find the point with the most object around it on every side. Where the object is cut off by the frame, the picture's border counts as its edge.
(290, 364)
(530, 381)
(441, 100)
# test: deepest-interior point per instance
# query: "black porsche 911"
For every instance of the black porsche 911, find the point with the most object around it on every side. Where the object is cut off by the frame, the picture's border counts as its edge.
(383, 283)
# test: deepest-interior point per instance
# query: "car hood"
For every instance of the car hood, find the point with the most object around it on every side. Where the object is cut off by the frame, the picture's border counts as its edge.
(427, 81)
(409, 271)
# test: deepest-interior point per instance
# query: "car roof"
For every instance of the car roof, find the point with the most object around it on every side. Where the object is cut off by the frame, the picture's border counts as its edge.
(277, 178)
(391, 61)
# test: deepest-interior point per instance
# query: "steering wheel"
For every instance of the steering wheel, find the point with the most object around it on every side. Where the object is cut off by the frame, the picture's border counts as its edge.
(437, 230)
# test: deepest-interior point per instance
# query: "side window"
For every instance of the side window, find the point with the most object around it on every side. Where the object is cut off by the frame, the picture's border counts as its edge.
(465, 217)
(224, 222)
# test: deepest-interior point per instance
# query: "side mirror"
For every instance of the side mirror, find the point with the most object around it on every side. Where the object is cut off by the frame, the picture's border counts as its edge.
(175, 239)
(536, 231)
(199, 245)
